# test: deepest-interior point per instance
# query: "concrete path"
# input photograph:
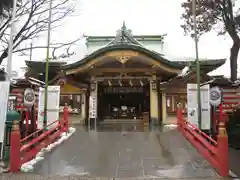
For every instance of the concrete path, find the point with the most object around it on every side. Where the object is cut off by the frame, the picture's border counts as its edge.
(126, 151)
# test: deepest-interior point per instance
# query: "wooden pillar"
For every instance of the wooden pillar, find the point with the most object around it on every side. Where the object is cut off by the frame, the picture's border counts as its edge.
(154, 111)
(83, 107)
(164, 108)
(94, 93)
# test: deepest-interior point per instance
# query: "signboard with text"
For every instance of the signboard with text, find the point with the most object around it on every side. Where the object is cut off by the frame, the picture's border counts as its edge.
(192, 105)
(53, 101)
(29, 98)
(4, 93)
(12, 102)
(124, 90)
(92, 107)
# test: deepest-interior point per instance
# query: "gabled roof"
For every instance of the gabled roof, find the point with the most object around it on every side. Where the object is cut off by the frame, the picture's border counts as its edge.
(124, 46)
(206, 65)
(124, 35)
(222, 81)
(39, 66)
(156, 38)
(124, 40)
(183, 79)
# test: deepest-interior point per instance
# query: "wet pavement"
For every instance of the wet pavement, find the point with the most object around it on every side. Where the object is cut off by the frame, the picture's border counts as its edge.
(125, 151)
(234, 159)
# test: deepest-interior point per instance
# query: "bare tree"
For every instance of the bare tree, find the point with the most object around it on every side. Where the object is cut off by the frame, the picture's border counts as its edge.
(32, 23)
(212, 14)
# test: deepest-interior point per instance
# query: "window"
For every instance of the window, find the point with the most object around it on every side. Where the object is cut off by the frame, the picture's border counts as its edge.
(173, 100)
(73, 101)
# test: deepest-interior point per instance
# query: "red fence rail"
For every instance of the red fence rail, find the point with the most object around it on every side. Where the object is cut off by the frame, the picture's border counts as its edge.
(24, 150)
(215, 152)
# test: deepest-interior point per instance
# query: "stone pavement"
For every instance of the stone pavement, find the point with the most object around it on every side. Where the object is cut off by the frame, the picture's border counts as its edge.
(234, 159)
(123, 152)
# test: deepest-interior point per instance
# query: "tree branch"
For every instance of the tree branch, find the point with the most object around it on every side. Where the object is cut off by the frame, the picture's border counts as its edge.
(32, 16)
(52, 46)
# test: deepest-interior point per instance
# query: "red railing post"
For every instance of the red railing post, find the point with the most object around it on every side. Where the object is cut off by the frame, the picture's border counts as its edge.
(15, 146)
(26, 123)
(222, 144)
(65, 118)
(220, 113)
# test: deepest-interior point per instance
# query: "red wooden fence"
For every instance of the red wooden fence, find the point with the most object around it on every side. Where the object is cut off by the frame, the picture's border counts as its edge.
(24, 150)
(215, 152)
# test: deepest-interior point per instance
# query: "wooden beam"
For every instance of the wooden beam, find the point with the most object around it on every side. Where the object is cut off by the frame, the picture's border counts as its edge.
(121, 70)
(126, 78)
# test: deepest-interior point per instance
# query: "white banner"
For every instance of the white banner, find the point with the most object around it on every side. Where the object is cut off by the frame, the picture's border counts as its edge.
(4, 93)
(192, 104)
(52, 105)
(192, 112)
(92, 107)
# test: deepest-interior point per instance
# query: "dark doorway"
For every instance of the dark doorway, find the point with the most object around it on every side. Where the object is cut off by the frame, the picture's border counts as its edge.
(122, 102)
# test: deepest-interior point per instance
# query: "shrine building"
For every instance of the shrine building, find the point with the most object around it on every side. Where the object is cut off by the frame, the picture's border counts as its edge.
(126, 77)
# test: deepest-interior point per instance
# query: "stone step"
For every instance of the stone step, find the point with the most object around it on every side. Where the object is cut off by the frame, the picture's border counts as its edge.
(121, 121)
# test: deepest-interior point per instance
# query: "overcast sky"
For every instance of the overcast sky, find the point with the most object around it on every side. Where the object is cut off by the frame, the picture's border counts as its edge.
(144, 17)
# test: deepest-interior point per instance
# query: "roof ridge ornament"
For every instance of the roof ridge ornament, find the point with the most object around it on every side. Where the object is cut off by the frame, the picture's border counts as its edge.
(124, 36)
(124, 26)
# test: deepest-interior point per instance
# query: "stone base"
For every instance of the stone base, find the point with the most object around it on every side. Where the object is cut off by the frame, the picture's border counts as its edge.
(154, 121)
(172, 119)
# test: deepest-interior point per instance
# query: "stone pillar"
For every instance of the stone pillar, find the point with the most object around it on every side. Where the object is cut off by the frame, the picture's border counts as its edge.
(164, 108)
(154, 111)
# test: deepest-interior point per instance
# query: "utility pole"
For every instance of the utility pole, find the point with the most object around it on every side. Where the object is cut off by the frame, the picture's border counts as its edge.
(10, 45)
(30, 58)
(197, 65)
(46, 64)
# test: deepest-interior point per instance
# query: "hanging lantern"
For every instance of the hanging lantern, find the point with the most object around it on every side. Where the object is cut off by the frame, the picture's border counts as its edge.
(93, 86)
(120, 83)
(109, 83)
(154, 85)
(61, 82)
(130, 82)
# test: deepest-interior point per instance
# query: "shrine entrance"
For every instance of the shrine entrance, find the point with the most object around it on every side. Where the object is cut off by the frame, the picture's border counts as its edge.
(123, 102)
(124, 82)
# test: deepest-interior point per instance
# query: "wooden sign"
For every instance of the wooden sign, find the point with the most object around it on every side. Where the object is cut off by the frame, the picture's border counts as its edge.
(123, 90)
(92, 107)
